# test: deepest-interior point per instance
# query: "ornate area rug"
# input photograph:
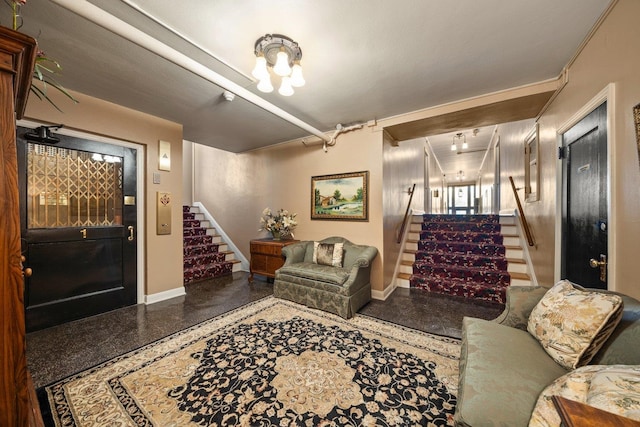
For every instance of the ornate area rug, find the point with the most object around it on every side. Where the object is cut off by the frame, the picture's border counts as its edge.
(270, 363)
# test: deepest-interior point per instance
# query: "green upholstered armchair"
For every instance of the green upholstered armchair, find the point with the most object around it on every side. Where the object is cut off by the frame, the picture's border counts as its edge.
(339, 290)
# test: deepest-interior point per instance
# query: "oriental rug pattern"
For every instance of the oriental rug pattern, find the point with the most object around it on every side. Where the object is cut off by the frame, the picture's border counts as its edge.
(271, 363)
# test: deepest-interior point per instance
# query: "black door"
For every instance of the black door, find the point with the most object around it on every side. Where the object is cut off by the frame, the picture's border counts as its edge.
(585, 228)
(78, 221)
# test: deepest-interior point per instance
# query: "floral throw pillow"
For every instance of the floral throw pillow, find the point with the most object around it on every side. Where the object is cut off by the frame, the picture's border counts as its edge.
(328, 253)
(572, 324)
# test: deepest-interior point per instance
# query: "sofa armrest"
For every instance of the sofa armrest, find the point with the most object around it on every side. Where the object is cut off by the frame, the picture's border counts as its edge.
(520, 301)
(294, 253)
(364, 258)
(360, 269)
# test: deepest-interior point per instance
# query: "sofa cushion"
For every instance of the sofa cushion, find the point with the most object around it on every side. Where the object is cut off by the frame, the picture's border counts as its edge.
(328, 253)
(612, 388)
(572, 324)
(502, 372)
(320, 273)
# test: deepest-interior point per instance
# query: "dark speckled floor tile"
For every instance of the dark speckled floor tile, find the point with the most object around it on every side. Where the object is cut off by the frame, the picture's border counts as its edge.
(60, 351)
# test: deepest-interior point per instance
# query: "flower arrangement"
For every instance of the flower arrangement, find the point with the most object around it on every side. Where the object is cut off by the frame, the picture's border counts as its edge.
(45, 67)
(279, 224)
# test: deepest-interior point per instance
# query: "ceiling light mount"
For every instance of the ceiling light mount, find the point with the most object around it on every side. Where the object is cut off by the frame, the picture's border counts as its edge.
(282, 54)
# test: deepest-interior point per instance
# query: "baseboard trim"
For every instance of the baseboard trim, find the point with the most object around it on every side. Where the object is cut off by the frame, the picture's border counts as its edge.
(383, 295)
(165, 295)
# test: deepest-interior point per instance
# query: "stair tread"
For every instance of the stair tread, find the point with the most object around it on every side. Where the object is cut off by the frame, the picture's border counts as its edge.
(205, 266)
(516, 261)
(522, 276)
(406, 276)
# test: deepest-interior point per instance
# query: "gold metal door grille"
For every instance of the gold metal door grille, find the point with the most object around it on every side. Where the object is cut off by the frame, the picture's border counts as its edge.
(70, 188)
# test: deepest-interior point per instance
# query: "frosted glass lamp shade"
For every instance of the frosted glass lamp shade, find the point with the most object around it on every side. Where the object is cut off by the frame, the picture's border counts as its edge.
(285, 87)
(282, 67)
(297, 80)
(260, 71)
(264, 85)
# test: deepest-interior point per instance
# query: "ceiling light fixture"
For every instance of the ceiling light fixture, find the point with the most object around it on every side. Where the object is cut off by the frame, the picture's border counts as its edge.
(459, 136)
(460, 175)
(283, 55)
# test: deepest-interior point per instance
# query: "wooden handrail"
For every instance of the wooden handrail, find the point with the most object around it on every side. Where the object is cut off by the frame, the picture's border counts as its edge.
(525, 224)
(406, 214)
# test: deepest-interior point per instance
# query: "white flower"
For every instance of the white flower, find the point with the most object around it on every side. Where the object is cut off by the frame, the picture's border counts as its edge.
(281, 221)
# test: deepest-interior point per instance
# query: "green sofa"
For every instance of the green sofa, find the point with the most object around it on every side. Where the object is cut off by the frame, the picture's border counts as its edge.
(339, 290)
(503, 368)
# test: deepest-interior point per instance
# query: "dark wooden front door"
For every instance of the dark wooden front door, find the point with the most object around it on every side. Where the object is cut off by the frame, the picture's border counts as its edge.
(585, 235)
(78, 221)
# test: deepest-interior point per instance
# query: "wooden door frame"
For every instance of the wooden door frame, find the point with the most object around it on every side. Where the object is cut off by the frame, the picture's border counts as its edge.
(605, 95)
(140, 194)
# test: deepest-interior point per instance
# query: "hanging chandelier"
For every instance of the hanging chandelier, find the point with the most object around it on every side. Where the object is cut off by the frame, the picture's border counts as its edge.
(282, 55)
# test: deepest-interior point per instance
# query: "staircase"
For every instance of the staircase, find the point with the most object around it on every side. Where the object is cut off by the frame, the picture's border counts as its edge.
(473, 256)
(205, 254)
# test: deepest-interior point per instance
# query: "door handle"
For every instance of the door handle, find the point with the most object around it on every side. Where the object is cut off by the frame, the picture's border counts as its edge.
(26, 272)
(602, 264)
(131, 237)
(84, 233)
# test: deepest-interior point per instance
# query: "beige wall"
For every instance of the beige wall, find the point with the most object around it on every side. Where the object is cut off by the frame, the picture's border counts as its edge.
(163, 256)
(235, 188)
(611, 56)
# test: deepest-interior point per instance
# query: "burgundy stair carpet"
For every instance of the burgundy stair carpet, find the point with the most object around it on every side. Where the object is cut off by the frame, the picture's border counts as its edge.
(462, 255)
(202, 260)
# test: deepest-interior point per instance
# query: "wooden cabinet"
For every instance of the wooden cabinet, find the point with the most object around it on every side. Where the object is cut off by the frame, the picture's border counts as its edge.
(17, 59)
(266, 256)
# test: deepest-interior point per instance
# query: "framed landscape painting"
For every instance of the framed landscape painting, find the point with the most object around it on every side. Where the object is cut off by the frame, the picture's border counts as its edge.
(341, 197)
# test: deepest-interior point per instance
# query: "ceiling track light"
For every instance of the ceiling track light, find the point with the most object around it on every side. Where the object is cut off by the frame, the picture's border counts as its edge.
(282, 55)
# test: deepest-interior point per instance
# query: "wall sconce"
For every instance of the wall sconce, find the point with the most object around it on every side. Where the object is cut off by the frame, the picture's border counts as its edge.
(164, 155)
(436, 193)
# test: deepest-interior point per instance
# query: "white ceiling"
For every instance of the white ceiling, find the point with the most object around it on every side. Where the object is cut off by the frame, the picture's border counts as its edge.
(362, 59)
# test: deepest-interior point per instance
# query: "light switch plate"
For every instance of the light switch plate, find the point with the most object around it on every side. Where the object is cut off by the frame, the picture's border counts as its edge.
(156, 177)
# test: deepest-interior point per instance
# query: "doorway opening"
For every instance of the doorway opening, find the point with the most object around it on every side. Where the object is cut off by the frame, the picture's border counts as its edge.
(461, 199)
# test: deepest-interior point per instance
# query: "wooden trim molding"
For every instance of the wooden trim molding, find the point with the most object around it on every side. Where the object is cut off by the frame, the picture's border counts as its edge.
(17, 59)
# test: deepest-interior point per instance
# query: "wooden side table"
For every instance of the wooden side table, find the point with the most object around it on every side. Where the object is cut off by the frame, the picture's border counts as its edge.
(577, 414)
(266, 256)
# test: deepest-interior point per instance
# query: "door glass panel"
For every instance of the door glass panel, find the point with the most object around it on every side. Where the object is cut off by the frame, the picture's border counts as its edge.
(71, 188)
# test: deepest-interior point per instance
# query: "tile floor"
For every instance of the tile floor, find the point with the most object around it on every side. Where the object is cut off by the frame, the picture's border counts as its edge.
(57, 352)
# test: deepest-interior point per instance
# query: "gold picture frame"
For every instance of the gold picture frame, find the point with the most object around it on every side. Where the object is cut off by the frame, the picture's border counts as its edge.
(636, 118)
(340, 196)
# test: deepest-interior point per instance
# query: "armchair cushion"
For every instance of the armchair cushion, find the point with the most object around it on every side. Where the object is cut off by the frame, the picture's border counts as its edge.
(316, 272)
(612, 388)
